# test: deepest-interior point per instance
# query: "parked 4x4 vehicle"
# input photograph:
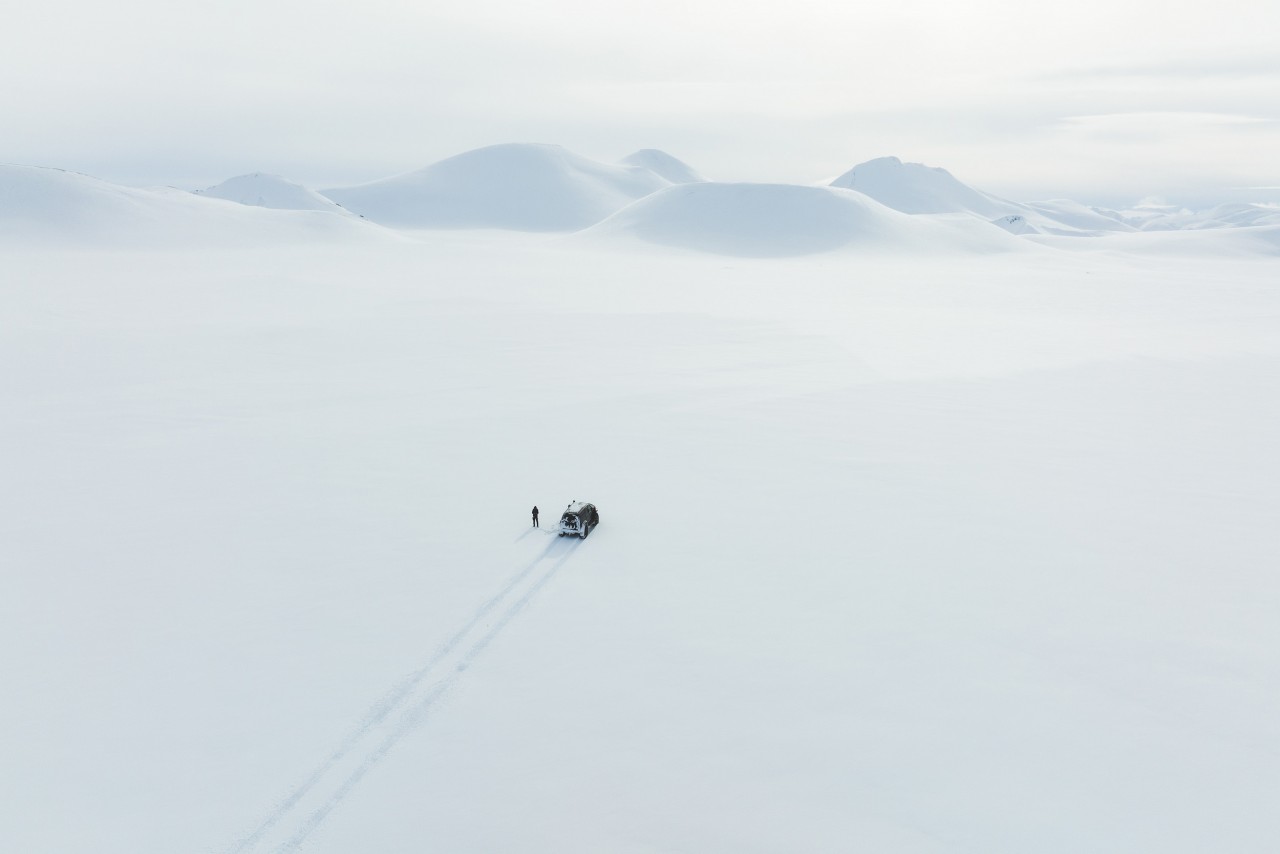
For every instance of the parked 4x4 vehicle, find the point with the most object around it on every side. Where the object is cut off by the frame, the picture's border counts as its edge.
(578, 519)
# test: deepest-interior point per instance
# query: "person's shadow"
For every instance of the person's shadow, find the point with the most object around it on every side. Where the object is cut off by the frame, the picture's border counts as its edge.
(531, 530)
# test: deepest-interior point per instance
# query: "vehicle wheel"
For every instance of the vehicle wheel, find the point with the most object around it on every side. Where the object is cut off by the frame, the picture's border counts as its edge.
(560, 534)
(585, 529)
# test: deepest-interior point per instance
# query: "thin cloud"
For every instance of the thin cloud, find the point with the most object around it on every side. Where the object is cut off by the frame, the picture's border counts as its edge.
(1199, 68)
(1160, 123)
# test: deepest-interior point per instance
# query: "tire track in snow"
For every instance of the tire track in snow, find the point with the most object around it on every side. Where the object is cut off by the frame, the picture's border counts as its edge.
(376, 734)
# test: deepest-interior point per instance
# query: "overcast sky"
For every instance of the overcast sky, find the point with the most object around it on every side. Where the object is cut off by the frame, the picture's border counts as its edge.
(1101, 100)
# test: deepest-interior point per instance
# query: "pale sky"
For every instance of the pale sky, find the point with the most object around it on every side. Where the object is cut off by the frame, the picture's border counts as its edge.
(1105, 101)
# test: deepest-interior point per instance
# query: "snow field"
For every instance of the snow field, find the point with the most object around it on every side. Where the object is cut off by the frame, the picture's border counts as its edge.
(932, 553)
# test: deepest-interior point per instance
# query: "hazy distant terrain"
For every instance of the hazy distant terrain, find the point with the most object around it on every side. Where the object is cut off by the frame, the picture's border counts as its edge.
(649, 196)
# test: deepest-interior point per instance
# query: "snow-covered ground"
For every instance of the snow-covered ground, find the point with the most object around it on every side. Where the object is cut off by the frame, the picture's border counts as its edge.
(932, 543)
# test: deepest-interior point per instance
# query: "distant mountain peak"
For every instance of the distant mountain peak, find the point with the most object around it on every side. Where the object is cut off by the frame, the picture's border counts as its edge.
(265, 190)
(919, 189)
(516, 186)
(660, 163)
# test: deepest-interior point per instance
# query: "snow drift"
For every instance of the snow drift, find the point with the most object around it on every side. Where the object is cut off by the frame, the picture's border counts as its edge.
(522, 187)
(776, 220)
(53, 205)
(271, 191)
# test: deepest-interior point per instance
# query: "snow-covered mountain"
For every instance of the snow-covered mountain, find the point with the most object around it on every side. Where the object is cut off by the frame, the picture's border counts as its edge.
(918, 189)
(271, 191)
(1233, 215)
(773, 220)
(545, 188)
(38, 203)
(660, 163)
(1063, 216)
(518, 186)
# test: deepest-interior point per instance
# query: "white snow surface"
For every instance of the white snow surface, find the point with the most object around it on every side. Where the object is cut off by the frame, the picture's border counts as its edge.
(517, 186)
(66, 208)
(660, 163)
(927, 549)
(272, 191)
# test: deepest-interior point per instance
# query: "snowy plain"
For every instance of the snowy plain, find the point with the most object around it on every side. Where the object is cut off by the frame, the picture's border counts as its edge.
(934, 539)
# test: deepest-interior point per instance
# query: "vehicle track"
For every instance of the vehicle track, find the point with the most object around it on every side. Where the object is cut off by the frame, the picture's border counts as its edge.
(398, 713)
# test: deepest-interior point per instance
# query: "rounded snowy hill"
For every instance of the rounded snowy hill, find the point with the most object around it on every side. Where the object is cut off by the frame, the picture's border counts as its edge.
(521, 187)
(778, 220)
(660, 163)
(918, 189)
(1063, 216)
(914, 188)
(271, 191)
(53, 205)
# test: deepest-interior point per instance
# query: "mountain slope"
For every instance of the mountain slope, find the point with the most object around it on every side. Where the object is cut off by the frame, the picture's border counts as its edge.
(53, 205)
(521, 187)
(777, 220)
(914, 188)
(664, 165)
(918, 189)
(271, 191)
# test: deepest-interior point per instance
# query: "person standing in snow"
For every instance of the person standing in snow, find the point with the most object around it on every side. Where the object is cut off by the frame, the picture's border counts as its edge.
(535, 516)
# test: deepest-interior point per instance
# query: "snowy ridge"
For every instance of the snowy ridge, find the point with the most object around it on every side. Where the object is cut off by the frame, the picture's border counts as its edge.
(43, 204)
(1062, 216)
(271, 191)
(1234, 215)
(521, 187)
(918, 189)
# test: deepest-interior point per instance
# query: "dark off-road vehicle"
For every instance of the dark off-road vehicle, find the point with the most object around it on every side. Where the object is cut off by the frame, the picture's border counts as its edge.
(578, 519)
